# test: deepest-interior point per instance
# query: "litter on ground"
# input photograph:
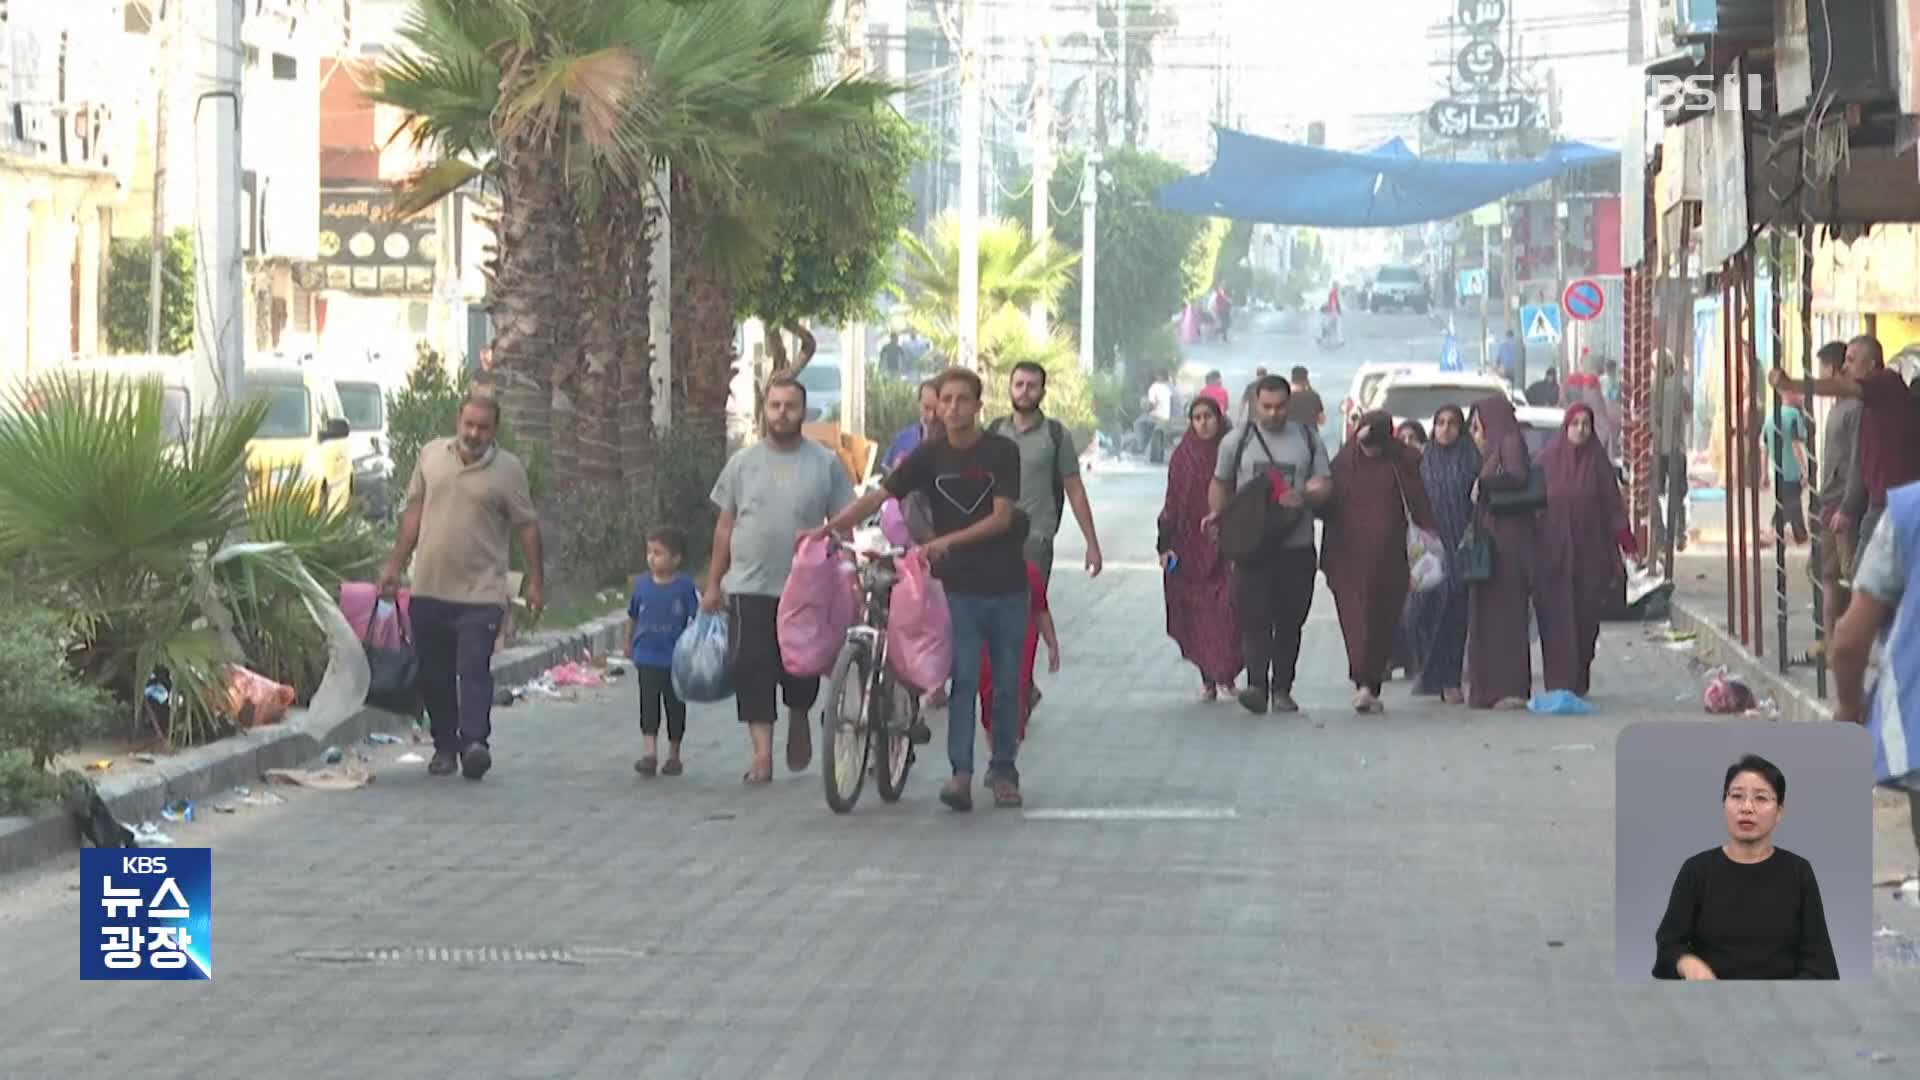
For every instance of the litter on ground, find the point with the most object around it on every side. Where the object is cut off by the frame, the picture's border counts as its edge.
(333, 778)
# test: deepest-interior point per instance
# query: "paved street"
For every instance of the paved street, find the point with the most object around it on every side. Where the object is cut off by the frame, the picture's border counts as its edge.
(1425, 893)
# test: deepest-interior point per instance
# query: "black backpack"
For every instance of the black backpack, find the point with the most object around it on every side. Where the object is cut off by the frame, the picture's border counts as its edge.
(1058, 433)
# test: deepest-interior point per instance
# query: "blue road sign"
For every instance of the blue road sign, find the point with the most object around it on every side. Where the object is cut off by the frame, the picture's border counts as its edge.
(1473, 282)
(1540, 324)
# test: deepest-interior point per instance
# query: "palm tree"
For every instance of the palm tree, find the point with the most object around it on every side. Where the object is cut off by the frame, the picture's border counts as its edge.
(566, 106)
(1015, 273)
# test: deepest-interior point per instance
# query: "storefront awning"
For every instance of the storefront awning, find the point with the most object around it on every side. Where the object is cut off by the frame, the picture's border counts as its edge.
(1282, 183)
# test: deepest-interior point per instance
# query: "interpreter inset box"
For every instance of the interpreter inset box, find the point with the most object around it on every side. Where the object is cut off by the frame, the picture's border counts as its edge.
(1743, 850)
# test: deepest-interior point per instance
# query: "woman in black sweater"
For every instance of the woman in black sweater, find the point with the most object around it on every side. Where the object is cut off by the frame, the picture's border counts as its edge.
(1746, 909)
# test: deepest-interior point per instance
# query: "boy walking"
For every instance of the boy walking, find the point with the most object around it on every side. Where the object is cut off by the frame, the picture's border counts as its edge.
(662, 605)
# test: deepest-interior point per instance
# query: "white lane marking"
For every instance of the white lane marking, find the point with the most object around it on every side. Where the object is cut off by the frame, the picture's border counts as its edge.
(1132, 813)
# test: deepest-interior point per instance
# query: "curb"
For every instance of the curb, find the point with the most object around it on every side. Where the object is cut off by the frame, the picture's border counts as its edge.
(240, 759)
(1714, 643)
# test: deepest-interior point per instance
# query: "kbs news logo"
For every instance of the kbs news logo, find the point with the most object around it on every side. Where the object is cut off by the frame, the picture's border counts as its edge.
(1703, 93)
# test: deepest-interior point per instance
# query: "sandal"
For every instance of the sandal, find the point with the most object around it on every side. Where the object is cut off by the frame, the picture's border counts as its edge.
(755, 776)
(647, 765)
(1209, 693)
(671, 767)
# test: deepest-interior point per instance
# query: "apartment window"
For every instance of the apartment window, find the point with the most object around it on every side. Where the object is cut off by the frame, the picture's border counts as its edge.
(285, 68)
(135, 19)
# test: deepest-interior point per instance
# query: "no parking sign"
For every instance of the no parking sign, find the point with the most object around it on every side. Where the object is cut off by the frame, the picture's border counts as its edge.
(1584, 300)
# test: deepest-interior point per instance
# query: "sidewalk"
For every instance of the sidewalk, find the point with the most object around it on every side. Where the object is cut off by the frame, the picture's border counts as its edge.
(1190, 892)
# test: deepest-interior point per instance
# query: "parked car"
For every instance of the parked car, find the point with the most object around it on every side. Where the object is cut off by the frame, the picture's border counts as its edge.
(363, 399)
(173, 372)
(821, 377)
(305, 430)
(1399, 287)
(1417, 395)
(1366, 381)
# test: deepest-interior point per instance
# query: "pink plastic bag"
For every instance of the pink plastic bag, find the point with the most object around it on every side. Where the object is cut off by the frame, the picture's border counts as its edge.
(360, 602)
(893, 522)
(919, 629)
(817, 607)
(254, 700)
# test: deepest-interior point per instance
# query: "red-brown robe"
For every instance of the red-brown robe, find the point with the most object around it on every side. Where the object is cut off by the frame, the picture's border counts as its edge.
(1199, 592)
(1579, 560)
(1364, 551)
(1499, 652)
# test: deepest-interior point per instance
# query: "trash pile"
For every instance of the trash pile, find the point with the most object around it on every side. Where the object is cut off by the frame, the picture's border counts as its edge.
(562, 681)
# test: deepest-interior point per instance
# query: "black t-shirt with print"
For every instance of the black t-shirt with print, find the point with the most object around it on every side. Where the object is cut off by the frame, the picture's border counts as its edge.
(960, 486)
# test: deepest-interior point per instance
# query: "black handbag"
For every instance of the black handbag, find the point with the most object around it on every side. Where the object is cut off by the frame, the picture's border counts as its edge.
(1253, 526)
(393, 680)
(1524, 500)
(1473, 559)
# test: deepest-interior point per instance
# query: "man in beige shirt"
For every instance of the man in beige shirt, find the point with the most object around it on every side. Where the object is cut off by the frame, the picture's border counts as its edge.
(467, 499)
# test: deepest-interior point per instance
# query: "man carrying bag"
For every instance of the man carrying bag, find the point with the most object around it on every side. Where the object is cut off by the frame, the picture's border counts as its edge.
(1266, 485)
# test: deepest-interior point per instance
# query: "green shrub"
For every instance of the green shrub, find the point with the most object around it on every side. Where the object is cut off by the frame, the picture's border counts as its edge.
(27, 789)
(44, 710)
(892, 404)
(123, 303)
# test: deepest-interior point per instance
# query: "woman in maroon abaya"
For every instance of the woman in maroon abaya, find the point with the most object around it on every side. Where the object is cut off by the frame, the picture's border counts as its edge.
(1581, 534)
(1376, 485)
(1499, 654)
(1200, 614)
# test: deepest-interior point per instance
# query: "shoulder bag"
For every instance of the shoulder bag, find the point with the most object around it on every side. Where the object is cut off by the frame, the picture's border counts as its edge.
(393, 674)
(1473, 559)
(1524, 500)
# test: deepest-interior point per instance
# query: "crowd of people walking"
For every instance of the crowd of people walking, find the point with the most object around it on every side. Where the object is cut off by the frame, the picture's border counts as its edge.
(1523, 544)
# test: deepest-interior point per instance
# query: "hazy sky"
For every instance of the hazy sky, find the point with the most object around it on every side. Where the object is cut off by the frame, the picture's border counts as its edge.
(1357, 57)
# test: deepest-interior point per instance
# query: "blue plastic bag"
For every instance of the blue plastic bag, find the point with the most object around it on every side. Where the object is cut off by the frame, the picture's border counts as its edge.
(1560, 703)
(700, 662)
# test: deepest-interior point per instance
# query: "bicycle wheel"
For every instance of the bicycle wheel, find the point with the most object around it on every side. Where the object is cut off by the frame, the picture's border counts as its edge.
(894, 743)
(844, 728)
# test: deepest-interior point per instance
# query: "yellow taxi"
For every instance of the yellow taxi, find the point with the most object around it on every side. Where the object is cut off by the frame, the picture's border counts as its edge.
(304, 435)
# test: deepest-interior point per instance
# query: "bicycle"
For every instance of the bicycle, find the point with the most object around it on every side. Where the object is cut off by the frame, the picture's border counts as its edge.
(868, 708)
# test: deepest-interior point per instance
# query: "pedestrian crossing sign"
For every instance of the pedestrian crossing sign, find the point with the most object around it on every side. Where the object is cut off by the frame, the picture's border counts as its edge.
(1541, 323)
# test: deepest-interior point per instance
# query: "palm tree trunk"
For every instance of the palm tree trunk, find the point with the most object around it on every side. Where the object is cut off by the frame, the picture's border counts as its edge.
(703, 325)
(530, 312)
(598, 385)
(635, 219)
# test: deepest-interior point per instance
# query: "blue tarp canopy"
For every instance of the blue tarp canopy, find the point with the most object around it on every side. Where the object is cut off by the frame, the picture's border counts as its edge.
(1282, 183)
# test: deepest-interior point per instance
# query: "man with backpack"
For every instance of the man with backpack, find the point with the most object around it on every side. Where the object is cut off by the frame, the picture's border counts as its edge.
(1049, 481)
(1269, 479)
(1049, 470)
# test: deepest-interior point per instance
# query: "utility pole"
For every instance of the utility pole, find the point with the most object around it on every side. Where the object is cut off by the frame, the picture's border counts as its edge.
(1089, 197)
(219, 328)
(1126, 78)
(1042, 163)
(168, 16)
(1486, 289)
(853, 336)
(969, 213)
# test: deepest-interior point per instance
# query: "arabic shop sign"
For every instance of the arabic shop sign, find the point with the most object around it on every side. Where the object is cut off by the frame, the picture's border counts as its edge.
(1480, 63)
(1482, 119)
(366, 247)
(1480, 15)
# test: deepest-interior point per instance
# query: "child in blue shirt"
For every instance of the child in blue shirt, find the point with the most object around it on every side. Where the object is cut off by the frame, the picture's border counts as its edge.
(664, 602)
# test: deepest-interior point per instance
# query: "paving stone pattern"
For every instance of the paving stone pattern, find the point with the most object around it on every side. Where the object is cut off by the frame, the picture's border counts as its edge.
(1380, 905)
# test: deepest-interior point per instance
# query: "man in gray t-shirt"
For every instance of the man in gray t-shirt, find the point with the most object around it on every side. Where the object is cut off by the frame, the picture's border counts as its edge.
(1274, 593)
(767, 495)
(1049, 470)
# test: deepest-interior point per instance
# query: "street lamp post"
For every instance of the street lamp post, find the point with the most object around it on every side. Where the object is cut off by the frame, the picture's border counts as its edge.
(1089, 197)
